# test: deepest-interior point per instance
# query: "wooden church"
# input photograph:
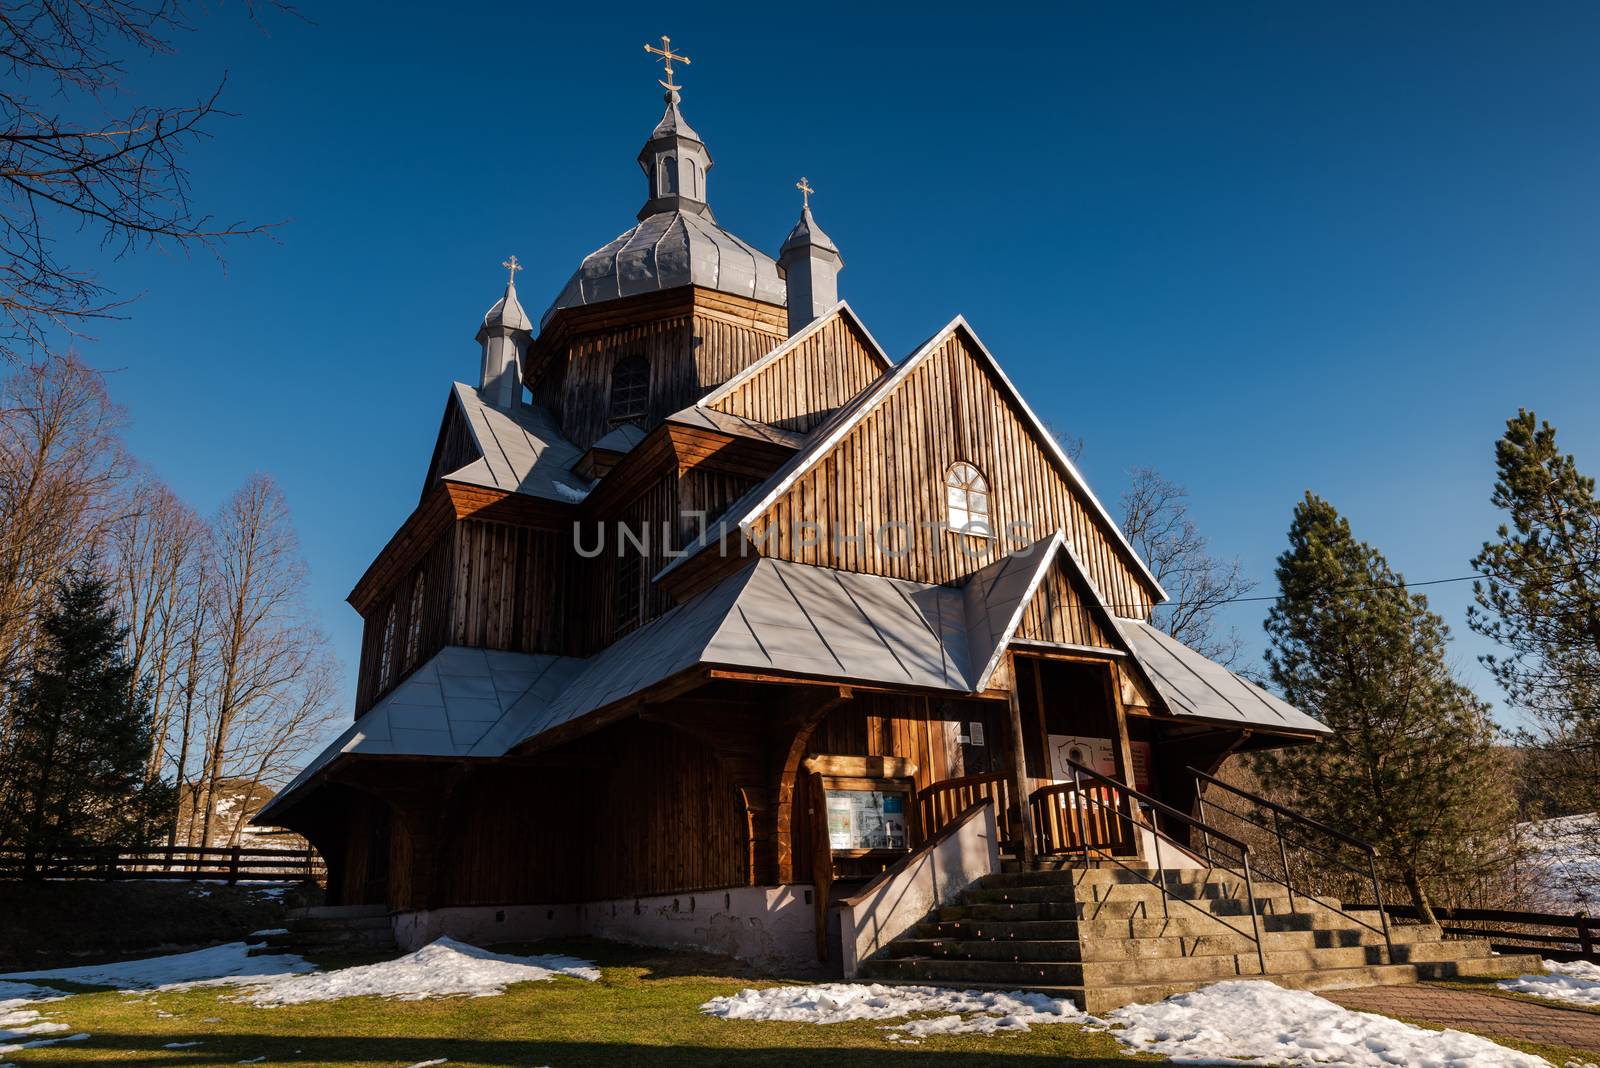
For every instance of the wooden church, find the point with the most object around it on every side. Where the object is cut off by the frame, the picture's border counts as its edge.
(715, 626)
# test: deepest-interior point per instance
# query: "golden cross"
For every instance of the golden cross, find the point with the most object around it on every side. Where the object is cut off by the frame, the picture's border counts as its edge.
(805, 190)
(667, 56)
(513, 266)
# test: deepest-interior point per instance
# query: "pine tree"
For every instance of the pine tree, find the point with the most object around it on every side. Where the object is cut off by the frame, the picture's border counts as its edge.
(1411, 757)
(72, 771)
(1540, 602)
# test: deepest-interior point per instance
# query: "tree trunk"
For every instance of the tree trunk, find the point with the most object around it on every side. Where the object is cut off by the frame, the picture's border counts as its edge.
(1419, 897)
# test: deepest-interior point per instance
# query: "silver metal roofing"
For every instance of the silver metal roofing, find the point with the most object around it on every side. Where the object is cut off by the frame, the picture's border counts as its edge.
(1194, 686)
(670, 249)
(782, 618)
(507, 311)
(622, 439)
(710, 419)
(445, 707)
(523, 450)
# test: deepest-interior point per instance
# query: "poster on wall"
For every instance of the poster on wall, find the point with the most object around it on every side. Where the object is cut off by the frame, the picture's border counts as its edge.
(1099, 754)
(866, 819)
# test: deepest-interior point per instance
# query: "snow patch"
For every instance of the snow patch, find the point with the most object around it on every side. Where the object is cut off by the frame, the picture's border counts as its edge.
(1256, 1022)
(444, 968)
(571, 493)
(216, 965)
(1576, 983)
(13, 995)
(953, 1011)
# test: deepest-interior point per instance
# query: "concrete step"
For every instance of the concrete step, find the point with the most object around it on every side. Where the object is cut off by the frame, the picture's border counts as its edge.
(1071, 890)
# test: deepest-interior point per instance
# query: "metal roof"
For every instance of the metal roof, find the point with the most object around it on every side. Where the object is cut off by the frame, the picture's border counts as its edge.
(704, 418)
(444, 707)
(1194, 686)
(777, 617)
(523, 450)
(667, 250)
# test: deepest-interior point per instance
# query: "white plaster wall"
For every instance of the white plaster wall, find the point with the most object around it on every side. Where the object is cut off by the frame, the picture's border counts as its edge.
(933, 878)
(773, 927)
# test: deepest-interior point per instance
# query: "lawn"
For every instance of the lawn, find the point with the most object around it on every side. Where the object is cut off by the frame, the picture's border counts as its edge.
(644, 1010)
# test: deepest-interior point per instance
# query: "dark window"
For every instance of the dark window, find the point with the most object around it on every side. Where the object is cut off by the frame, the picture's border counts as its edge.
(630, 390)
(630, 580)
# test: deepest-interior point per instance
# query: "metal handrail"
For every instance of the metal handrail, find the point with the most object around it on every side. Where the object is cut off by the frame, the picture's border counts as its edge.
(1076, 788)
(1281, 812)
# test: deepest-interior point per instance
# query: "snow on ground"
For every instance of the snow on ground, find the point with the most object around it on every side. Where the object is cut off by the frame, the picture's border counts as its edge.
(1564, 860)
(229, 963)
(13, 995)
(1256, 1022)
(445, 968)
(1575, 983)
(952, 1011)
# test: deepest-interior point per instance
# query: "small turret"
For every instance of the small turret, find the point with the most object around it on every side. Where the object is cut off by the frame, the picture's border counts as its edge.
(504, 335)
(811, 265)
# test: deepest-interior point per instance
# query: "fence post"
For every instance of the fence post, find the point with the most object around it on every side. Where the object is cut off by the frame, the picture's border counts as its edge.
(1586, 938)
(233, 865)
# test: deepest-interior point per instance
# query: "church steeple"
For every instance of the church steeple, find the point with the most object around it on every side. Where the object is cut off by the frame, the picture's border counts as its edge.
(811, 265)
(674, 160)
(504, 335)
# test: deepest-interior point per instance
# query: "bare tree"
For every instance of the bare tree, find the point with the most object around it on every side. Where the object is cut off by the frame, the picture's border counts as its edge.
(270, 691)
(60, 462)
(1156, 520)
(154, 549)
(74, 156)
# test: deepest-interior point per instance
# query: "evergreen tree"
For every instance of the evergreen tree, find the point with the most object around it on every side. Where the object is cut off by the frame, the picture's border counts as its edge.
(72, 768)
(1540, 602)
(1410, 764)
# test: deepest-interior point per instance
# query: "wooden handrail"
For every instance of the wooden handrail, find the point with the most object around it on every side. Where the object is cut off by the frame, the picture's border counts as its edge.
(942, 802)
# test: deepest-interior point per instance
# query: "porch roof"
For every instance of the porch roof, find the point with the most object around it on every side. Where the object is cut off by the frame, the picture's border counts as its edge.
(1197, 687)
(443, 709)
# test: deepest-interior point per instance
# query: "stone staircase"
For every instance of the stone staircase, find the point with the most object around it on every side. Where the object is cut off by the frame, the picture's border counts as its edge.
(332, 929)
(1102, 937)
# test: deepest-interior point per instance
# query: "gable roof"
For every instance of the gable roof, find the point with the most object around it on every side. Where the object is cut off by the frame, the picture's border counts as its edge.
(521, 450)
(751, 506)
(841, 310)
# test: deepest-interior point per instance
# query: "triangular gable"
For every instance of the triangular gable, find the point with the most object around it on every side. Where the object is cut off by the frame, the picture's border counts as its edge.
(882, 462)
(806, 379)
(519, 451)
(1040, 594)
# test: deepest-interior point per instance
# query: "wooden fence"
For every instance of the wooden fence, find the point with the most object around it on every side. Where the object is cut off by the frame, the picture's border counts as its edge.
(226, 864)
(1557, 936)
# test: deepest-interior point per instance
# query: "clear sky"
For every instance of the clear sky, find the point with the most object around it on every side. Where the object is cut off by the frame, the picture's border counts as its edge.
(1264, 248)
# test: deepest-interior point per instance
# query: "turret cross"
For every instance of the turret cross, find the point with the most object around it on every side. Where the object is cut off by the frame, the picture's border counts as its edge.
(513, 266)
(667, 56)
(805, 190)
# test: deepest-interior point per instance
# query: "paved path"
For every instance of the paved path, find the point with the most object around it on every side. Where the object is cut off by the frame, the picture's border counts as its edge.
(1467, 1010)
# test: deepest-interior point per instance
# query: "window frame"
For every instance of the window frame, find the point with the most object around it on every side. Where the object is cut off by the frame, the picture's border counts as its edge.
(968, 497)
(636, 392)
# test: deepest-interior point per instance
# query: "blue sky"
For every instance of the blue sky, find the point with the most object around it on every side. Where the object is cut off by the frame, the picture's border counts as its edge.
(1263, 248)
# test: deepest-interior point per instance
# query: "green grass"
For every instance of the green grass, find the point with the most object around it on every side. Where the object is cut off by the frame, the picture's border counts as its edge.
(644, 1010)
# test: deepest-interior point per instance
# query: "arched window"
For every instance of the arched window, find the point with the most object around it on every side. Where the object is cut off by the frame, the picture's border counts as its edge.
(630, 390)
(414, 623)
(669, 175)
(386, 651)
(966, 499)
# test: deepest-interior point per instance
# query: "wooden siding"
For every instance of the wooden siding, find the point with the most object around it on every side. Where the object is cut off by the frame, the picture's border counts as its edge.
(506, 591)
(890, 469)
(1060, 612)
(516, 836)
(692, 344)
(665, 818)
(436, 569)
(808, 383)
